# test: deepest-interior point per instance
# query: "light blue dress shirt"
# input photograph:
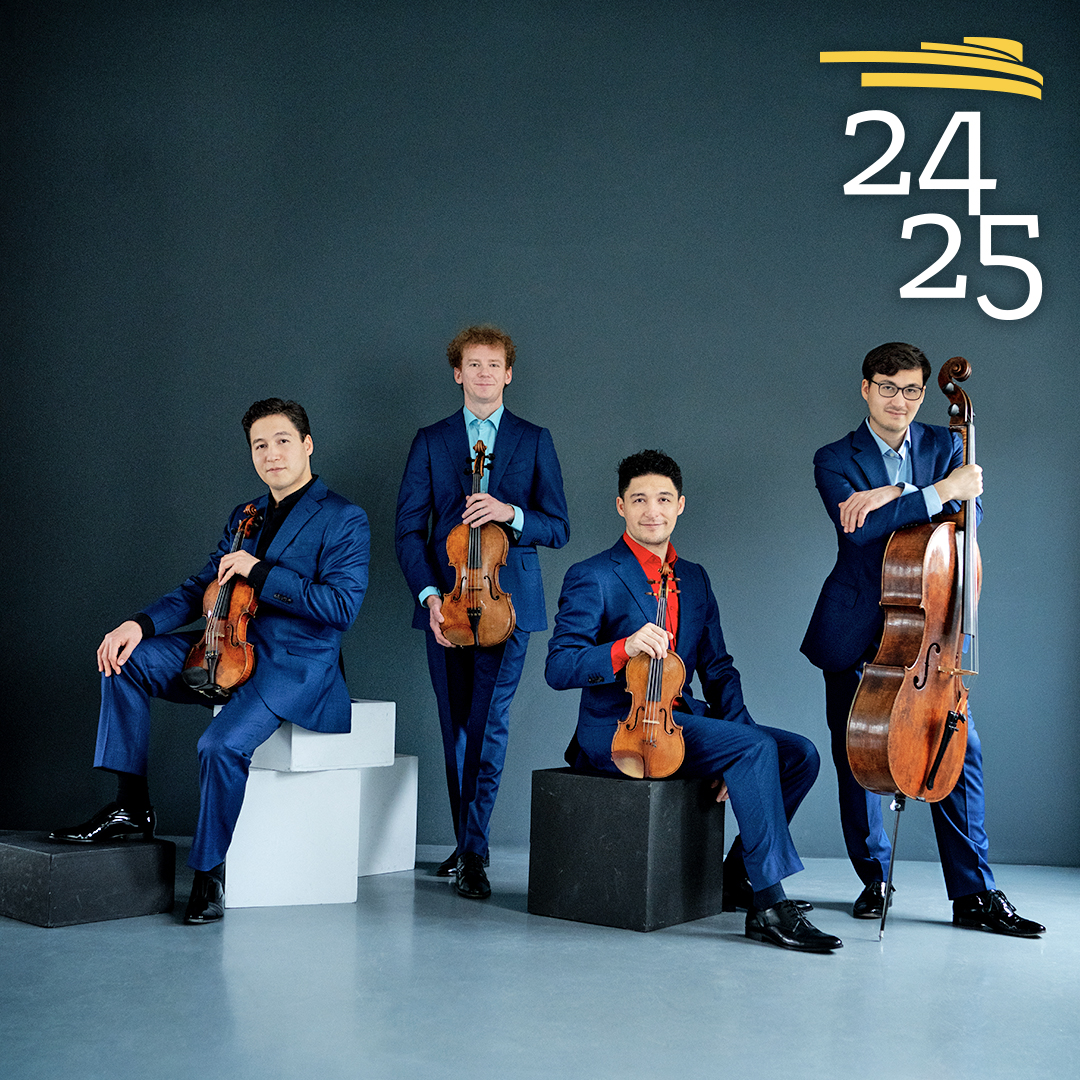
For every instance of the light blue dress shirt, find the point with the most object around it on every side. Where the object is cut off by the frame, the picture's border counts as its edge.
(898, 467)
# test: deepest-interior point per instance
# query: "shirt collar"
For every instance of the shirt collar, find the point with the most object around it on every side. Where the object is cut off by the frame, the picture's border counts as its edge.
(493, 419)
(648, 560)
(885, 448)
(289, 501)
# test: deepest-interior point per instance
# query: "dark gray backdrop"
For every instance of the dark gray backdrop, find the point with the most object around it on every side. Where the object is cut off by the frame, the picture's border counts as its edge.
(207, 203)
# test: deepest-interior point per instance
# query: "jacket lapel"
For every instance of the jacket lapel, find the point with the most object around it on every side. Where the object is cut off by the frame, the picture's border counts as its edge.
(629, 572)
(866, 454)
(920, 463)
(505, 445)
(691, 611)
(298, 517)
(458, 452)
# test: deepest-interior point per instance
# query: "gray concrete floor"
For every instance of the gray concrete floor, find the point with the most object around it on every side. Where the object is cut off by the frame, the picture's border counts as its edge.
(413, 981)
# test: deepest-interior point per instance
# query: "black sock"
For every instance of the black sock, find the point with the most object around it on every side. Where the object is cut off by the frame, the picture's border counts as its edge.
(132, 792)
(769, 897)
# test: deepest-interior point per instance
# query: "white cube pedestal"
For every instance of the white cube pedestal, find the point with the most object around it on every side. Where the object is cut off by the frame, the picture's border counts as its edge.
(296, 841)
(388, 818)
(370, 742)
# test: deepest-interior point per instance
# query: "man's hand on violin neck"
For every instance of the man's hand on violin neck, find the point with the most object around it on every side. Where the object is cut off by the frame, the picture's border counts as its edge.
(651, 640)
(965, 482)
(482, 507)
(235, 564)
(117, 646)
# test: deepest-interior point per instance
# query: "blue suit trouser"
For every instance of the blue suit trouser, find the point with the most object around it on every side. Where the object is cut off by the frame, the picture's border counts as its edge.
(225, 749)
(768, 772)
(958, 818)
(474, 688)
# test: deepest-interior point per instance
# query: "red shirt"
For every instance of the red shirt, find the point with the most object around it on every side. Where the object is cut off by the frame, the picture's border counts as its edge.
(652, 565)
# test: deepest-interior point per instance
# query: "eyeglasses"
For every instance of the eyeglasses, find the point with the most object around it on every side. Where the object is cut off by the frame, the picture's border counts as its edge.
(886, 389)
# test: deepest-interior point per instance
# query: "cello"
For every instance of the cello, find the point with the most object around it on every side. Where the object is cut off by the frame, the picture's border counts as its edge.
(648, 744)
(224, 659)
(907, 729)
(477, 611)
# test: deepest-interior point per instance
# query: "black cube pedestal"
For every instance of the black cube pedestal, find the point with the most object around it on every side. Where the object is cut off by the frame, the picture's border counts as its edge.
(51, 884)
(636, 854)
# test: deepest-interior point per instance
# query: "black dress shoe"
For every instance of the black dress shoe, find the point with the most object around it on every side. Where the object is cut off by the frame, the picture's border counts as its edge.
(871, 901)
(786, 926)
(448, 867)
(471, 879)
(739, 893)
(112, 822)
(992, 911)
(207, 901)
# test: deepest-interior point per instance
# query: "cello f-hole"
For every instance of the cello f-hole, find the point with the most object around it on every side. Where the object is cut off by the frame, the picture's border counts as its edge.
(926, 666)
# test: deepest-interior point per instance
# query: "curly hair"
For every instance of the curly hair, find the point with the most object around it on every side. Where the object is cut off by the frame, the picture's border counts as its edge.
(480, 335)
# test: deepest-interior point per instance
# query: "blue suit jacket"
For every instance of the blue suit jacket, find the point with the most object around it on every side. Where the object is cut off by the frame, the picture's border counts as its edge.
(311, 596)
(524, 471)
(608, 597)
(848, 616)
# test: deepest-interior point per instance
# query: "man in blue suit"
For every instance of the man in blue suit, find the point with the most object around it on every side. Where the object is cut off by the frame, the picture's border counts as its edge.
(607, 614)
(890, 473)
(308, 567)
(523, 494)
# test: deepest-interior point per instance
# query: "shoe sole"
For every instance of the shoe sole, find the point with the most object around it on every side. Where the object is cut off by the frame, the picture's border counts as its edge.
(758, 935)
(967, 924)
(99, 839)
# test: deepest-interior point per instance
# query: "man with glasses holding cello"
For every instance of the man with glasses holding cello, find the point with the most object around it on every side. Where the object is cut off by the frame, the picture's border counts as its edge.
(890, 473)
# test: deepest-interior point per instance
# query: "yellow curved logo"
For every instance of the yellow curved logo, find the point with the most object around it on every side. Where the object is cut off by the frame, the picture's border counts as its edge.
(1001, 55)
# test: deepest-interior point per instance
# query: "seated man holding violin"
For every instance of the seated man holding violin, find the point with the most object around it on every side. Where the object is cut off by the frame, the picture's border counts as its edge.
(304, 563)
(608, 615)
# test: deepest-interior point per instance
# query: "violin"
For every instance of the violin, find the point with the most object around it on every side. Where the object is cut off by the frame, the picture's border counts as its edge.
(648, 744)
(907, 729)
(477, 611)
(224, 659)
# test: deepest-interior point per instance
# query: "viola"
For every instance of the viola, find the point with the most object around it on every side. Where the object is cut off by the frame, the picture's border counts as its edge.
(224, 658)
(907, 729)
(477, 611)
(648, 744)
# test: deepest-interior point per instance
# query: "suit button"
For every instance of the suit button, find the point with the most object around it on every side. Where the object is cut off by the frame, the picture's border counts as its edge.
(596, 678)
